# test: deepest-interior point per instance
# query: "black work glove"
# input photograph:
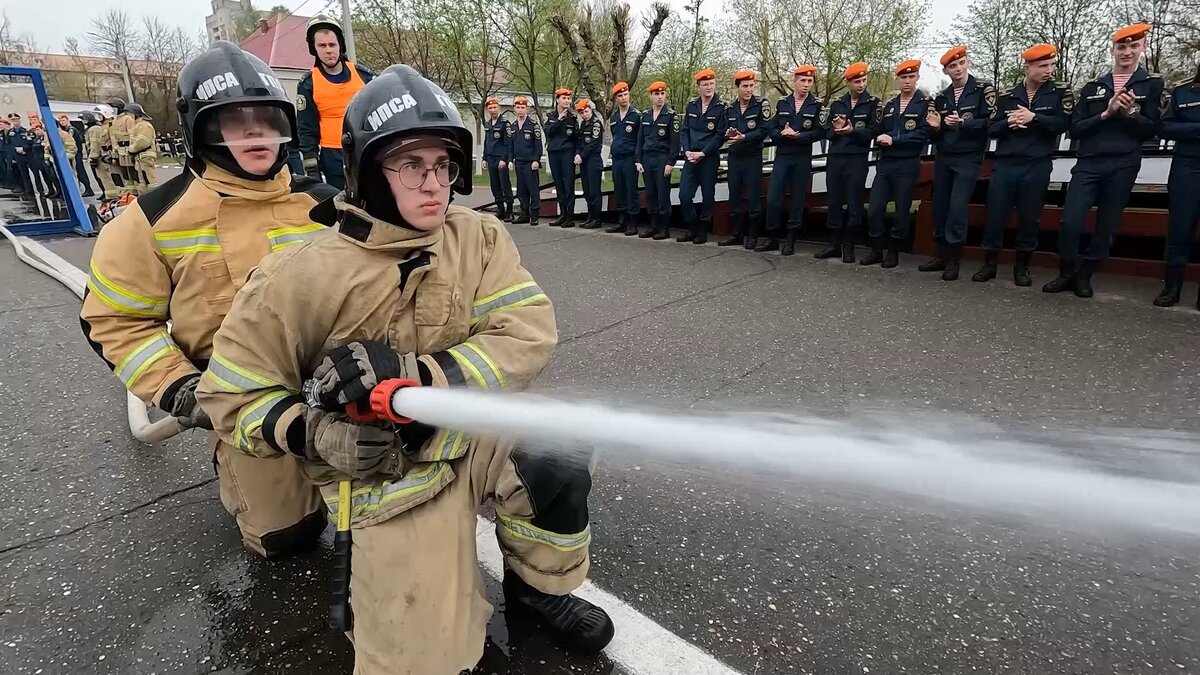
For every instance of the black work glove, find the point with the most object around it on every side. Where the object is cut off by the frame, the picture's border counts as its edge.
(94, 162)
(357, 450)
(184, 408)
(349, 373)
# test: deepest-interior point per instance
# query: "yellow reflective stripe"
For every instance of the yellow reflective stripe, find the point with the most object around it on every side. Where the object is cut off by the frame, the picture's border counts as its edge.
(251, 417)
(522, 529)
(471, 358)
(234, 378)
(124, 300)
(187, 241)
(518, 295)
(289, 236)
(448, 444)
(367, 500)
(143, 356)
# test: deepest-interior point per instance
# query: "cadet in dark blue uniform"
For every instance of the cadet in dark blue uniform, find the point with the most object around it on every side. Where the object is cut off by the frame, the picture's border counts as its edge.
(525, 149)
(854, 123)
(562, 144)
(1026, 124)
(624, 124)
(496, 144)
(904, 133)
(746, 128)
(1114, 115)
(21, 142)
(6, 172)
(589, 161)
(960, 122)
(657, 150)
(1181, 123)
(799, 122)
(701, 135)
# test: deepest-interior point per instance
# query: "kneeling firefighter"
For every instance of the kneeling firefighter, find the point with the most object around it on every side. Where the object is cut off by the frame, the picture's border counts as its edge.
(413, 288)
(180, 252)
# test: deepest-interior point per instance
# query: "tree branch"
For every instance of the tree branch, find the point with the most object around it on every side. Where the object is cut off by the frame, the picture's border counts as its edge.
(661, 13)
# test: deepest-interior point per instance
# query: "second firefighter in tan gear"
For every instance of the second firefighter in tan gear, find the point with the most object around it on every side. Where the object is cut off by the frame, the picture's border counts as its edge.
(411, 288)
(180, 252)
(142, 148)
(95, 138)
(121, 130)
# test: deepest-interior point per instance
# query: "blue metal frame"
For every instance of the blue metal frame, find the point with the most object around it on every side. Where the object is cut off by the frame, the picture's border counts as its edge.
(78, 222)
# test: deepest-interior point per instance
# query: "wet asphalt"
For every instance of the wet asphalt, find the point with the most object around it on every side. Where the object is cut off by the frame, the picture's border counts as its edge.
(118, 558)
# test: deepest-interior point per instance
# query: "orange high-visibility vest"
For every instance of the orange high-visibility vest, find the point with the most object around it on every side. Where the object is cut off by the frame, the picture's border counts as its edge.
(331, 99)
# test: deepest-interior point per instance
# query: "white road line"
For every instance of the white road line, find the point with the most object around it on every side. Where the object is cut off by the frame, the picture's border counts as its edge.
(640, 645)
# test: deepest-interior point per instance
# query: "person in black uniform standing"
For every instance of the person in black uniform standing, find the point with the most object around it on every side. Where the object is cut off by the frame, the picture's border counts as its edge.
(701, 136)
(1026, 124)
(21, 141)
(624, 124)
(904, 133)
(960, 122)
(746, 127)
(854, 123)
(6, 156)
(800, 121)
(1116, 113)
(525, 149)
(496, 134)
(588, 159)
(562, 144)
(1181, 123)
(657, 150)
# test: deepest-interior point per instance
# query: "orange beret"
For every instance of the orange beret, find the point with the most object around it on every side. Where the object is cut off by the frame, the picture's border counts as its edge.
(520, 100)
(620, 88)
(953, 54)
(743, 75)
(492, 100)
(706, 74)
(1039, 52)
(657, 85)
(909, 66)
(563, 92)
(582, 104)
(1130, 33)
(805, 69)
(855, 71)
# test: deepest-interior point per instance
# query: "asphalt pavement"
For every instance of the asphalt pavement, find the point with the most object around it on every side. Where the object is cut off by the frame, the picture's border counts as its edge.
(118, 558)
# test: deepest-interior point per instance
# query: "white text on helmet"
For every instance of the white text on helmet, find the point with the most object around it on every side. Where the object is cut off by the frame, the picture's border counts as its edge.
(270, 81)
(209, 88)
(399, 104)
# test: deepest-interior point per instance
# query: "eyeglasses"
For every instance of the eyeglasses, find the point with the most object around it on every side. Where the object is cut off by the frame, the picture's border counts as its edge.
(413, 174)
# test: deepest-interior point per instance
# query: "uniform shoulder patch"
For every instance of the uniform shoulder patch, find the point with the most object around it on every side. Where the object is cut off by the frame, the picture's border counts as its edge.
(675, 121)
(595, 131)
(989, 94)
(157, 202)
(824, 116)
(537, 130)
(301, 102)
(1164, 101)
(1068, 99)
(878, 111)
(767, 109)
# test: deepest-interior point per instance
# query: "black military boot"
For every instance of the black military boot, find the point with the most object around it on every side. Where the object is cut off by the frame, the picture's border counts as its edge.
(988, 271)
(631, 228)
(574, 622)
(766, 244)
(1021, 275)
(519, 217)
(830, 250)
(788, 247)
(892, 259)
(689, 233)
(591, 224)
(533, 219)
(619, 226)
(648, 232)
(661, 234)
(953, 257)
(568, 222)
(700, 236)
(848, 252)
(1083, 279)
(876, 255)
(937, 263)
(1065, 280)
(732, 240)
(1172, 287)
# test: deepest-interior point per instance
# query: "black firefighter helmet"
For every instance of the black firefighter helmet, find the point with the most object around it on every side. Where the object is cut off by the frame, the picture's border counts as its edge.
(226, 76)
(322, 22)
(398, 103)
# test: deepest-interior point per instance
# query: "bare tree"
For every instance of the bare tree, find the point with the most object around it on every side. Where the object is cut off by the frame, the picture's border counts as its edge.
(15, 50)
(87, 79)
(1079, 28)
(993, 30)
(477, 53)
(114, 35)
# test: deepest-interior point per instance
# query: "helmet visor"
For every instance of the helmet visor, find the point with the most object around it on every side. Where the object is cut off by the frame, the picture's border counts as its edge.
(248, 125)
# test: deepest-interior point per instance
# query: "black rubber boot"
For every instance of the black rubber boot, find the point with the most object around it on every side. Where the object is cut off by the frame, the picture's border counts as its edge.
(1083, 279)
(788, 247)
(1021, 276)
(766, 244)
(750, 243)
(876, 255)
(734, 240)
(646, 233)
(937, 263)
(618, 227)
(1172, 287)
(631, 229)
(847, 253)
(831, 250)
(1065, 280)
(660, 234)
(573, 622)
(953, 257)
(892, 259)
(688, 235)
(988, 271)
(590, 224)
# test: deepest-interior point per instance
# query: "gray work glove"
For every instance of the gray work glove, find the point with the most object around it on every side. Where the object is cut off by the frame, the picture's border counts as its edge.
(357, 450)
(312, 166)
(184, 408)
(349, 373)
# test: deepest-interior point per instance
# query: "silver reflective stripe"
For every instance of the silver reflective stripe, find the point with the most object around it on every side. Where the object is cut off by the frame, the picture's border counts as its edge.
(141, 358)
(562, 542)
(514, 296)
(451, 445)
(366, 501)
(122, 300)
(251, 417)
(189, 241)
(233, 378)
(288, 236)
(476, 362)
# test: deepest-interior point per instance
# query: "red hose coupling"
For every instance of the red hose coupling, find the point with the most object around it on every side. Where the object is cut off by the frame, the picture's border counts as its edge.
(381, 399)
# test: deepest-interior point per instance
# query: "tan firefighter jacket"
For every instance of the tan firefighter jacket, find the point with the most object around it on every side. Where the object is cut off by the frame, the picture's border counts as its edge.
(179, 253)
(141, 141)
(95, 137)
(458, 297)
